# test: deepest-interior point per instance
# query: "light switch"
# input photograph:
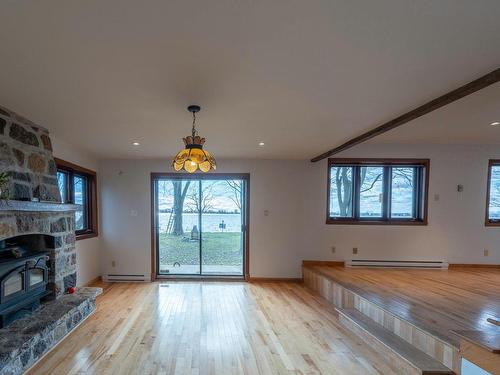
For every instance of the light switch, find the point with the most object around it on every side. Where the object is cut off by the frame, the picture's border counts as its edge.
(133, 213)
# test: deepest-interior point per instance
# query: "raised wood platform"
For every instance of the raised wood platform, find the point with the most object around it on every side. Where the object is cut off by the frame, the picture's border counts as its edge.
(481, 348)
(420, 306)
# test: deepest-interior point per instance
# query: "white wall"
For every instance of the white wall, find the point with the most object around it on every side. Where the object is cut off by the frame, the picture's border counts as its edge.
(456, 230)
(275, 240)
(294, 192)
(88, 250)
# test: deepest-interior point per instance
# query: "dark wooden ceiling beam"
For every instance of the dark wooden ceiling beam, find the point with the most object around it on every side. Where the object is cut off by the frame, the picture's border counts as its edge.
(450, 97)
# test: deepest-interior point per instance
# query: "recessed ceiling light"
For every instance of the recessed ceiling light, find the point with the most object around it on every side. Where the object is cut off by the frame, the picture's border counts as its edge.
(261, 144)
(136, 144)
(495, 123)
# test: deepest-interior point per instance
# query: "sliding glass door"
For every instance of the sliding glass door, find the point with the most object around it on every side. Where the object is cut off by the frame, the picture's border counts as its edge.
(178, 246)
(200, 224)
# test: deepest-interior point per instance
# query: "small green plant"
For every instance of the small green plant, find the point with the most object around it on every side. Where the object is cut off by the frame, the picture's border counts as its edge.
(4, 183)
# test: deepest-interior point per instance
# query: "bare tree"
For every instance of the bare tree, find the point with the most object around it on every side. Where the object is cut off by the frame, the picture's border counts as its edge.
(494, 202)
(205, 203)
(405, 173)
(179, 197)
(165, 189)
(236, 187)
(343, 182)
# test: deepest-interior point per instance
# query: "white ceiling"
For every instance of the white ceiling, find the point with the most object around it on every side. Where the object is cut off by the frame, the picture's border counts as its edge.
(466, 121)
(302, 76)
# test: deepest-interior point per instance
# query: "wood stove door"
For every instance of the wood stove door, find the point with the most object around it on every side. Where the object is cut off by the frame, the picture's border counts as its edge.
(37, 274)
(13, 284)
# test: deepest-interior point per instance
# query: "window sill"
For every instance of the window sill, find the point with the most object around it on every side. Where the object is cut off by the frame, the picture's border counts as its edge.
(83, 236)
(492, 223)
(377, 222)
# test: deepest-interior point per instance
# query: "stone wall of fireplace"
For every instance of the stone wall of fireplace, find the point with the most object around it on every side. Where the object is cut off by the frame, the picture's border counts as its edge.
(26, 154)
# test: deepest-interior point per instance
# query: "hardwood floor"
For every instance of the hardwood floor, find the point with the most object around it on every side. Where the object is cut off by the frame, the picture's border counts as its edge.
(437, 301)
(211, 328)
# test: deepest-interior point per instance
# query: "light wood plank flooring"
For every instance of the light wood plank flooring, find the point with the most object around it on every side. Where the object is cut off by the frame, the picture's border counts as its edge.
(211, 328)
(436, 301)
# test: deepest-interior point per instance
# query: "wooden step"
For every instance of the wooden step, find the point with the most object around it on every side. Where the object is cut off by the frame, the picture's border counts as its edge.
(400, 353)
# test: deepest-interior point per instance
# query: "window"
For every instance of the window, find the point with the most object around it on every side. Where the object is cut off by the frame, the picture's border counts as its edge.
(493, 194)
(78, 186)
(379, 191)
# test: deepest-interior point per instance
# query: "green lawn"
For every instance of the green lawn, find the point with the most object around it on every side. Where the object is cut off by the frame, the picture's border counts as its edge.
(218, 249)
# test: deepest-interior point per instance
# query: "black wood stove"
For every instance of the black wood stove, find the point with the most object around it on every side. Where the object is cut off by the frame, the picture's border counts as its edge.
(23, 278)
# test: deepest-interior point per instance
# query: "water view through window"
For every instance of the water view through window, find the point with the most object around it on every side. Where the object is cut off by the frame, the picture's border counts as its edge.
(494, 196)
(79, 190)
(77, 185)
(402, 192)
(200, 226)
(371, 191)
(391, 192)
(76, 193)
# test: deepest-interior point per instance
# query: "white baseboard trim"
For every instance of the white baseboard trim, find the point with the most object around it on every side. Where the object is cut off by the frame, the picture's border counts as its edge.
(126, 278)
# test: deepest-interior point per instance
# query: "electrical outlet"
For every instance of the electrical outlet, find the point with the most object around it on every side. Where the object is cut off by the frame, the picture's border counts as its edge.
(113, 263)
(333, 249)
(436, 197)
(486, 252)
(354, 250)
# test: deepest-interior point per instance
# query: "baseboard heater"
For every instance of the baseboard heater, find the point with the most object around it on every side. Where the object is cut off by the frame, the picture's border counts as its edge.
(355, 263)
(125, 277)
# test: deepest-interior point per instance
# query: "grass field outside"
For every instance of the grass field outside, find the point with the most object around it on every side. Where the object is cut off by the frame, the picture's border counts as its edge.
(219, 248)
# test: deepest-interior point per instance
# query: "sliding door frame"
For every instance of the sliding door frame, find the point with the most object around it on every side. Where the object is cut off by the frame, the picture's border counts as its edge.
(155, 176)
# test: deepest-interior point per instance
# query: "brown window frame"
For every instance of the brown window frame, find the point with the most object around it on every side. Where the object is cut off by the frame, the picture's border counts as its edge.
(91, 206)
(383, 162)
(487, 221)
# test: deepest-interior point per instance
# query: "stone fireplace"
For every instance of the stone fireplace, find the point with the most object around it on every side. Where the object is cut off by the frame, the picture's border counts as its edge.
(33, 196)
(37, 249)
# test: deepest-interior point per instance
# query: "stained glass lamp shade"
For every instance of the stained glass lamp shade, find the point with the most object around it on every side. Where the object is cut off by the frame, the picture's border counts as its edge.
(193, 157)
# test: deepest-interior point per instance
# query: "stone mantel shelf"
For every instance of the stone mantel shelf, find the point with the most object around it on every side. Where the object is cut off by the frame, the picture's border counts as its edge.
(28, 206)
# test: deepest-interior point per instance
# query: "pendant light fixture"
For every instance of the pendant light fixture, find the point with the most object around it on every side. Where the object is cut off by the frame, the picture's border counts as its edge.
(193, 157)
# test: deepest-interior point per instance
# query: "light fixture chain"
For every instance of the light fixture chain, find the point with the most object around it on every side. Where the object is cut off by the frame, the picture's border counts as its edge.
(193, 131)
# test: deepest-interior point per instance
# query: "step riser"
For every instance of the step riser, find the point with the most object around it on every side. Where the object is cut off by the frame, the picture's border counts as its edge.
(398, 364)
(345, 299)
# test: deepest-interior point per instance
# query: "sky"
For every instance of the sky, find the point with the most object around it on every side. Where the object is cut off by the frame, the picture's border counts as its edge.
(219, 195)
